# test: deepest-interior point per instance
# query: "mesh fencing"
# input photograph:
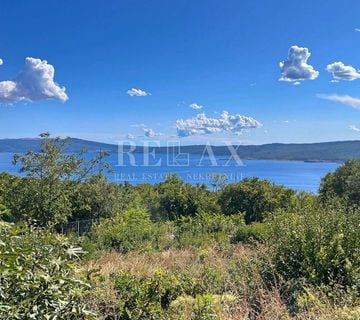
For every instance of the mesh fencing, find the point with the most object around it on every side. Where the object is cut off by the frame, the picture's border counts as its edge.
(78, 227)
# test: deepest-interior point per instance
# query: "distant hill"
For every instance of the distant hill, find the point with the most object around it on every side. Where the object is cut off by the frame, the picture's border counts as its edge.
(325, 151)
(75, 145)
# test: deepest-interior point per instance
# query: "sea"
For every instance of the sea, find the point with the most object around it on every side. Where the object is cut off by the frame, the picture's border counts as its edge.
(198, 169)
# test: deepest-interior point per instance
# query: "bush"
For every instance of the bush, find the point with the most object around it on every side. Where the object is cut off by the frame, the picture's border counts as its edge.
(145, 296)
(343, 184)
(130, 230)
(255, 198)
(5, 214)
(37, 279)
(178, 199)
(317, 246)
(204, 230)
(166, 295)
(202, 307)
(206, 279)
(256, 232)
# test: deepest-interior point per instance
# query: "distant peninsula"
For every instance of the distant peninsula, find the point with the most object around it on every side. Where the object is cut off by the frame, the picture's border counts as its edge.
(337, 151)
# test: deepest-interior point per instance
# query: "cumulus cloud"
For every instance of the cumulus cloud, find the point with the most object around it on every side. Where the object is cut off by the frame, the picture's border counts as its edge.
(296, 68)
(1, 62)
(343, 99)
(34, 82)
(150, 133)
(354, 127)
(342, 72)
(195, 106)
(225, 123)
(137, 93)
(130, 136)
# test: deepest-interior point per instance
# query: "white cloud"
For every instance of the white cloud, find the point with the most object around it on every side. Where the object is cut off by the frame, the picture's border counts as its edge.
(195, 106)
(343, 99)
(137, 93)
(150, 133)
(295, 68)
(34, 82)
(355, 128)
(225, 123)
(138, 125)
(130, 136)
(296, 83)
(1, 62)
(342, 72)
(357, 29)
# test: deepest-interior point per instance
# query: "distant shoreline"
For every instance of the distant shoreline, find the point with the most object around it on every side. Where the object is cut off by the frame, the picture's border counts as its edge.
(337, 151)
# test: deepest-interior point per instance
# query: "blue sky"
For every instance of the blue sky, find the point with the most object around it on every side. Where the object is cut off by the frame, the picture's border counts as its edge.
(217, 55)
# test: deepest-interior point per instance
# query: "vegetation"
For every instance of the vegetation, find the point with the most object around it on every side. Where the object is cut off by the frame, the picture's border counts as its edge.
(255, 198)
(251, 250)
(343, 185)
(38, 278)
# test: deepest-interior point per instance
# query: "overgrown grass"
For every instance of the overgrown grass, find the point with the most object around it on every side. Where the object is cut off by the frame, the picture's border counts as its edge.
(297, 265)
(241, 283)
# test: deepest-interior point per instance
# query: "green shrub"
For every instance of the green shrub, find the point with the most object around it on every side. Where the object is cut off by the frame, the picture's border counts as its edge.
(205, 279)
(178, 199)
(37, 279)
(145, 296)
(255, 232)
(203, 230)
(202, 307)
(170, 295)
(343, 184)
(129, 230)
(317, 246)
(255, 198)
(5, 214)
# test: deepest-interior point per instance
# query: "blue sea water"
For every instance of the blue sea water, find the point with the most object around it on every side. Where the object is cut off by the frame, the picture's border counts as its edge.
(299, 175)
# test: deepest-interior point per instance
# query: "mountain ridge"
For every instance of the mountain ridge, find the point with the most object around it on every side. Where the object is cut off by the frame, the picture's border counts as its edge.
(318, 151)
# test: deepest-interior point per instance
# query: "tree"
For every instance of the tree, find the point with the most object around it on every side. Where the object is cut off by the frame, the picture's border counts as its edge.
(52, 176)
(255, 198)
(95, 198)
(343, 184)
(182, 199)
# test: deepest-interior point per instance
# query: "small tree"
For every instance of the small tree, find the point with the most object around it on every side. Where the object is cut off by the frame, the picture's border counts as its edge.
(53, 176)
(255, 198)
(179, 199)
(343, 184)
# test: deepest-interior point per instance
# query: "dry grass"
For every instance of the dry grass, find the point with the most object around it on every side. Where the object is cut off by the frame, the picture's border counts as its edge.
(145, 263)
(250, 292)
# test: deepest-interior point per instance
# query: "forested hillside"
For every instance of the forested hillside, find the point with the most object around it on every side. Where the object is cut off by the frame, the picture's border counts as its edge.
(326, 151)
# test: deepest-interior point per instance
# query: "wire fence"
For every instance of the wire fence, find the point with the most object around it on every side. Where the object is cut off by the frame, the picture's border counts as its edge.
(78, 227)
